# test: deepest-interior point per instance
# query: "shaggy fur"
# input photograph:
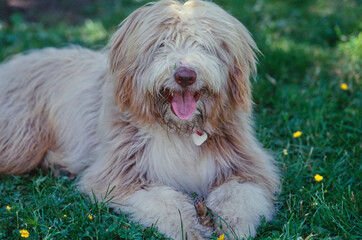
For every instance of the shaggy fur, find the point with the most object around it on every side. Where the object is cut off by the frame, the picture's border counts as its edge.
(107, 115)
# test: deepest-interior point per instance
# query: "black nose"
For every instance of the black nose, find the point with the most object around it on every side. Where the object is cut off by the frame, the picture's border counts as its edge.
(185, 77)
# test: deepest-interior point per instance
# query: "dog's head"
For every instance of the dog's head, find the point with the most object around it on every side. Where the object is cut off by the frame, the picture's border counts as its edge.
(185, 65)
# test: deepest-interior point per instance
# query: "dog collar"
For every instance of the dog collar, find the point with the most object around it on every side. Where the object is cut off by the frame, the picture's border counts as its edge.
(199, 137)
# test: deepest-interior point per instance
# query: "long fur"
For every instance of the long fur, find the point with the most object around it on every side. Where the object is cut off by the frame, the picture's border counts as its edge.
(104, 115)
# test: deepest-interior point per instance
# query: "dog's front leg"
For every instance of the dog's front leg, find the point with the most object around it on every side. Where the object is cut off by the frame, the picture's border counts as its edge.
(171, 211)
(240, 206)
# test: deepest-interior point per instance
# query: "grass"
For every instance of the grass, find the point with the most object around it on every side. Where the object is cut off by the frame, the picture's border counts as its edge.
(52, 208)
(309, 49)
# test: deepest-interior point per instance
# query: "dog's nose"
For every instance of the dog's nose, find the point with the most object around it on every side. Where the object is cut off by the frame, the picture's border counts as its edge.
(185, 77)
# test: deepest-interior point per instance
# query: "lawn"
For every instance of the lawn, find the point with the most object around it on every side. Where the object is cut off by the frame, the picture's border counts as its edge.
(309, 80)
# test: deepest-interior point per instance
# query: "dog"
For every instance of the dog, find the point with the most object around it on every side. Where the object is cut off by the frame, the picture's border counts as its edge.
(163, 112)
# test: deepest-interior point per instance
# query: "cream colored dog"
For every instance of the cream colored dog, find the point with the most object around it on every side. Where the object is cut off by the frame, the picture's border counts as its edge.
(163, 112)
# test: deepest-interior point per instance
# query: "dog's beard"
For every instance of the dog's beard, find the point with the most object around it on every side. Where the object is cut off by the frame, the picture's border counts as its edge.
(171, 122)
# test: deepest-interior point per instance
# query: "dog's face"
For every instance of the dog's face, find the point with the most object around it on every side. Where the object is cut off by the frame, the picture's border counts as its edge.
(185, 65)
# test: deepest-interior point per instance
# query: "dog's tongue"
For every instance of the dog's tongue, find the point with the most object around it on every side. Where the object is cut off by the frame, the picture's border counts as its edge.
(183, 104)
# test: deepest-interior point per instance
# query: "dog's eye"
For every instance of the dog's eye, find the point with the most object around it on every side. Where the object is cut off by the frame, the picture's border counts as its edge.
(161, 45)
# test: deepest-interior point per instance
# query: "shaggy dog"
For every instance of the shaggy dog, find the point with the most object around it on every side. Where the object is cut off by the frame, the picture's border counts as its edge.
(163, 112)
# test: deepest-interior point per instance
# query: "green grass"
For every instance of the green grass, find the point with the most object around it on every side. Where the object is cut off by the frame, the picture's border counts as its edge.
(309, 49)
(52, 208)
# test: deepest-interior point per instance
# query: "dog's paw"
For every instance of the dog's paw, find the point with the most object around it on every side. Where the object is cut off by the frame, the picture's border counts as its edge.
(172, 212)
(190, 227)
(197, 232)
(239, 207)
(59, 170)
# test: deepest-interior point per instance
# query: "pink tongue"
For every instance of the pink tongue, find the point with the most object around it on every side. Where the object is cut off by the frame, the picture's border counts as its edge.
(184, 104)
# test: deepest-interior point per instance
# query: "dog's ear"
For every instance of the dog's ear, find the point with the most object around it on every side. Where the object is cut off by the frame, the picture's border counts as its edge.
(239, 88)
(242, 65)
(122, 58)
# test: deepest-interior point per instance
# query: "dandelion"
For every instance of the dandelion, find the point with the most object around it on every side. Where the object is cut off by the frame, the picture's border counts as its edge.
(8, 208)
(24, 233)
(297, 134)
(90, 216)
(285, 152)
(314, 204)
(325, 191)
(344, 86)
(318, 178)
(65, 215)
(221, 237)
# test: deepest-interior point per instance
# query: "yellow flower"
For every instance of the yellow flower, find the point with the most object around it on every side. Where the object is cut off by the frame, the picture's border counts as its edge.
(221, 237)
(24, 233)
(285, 152)
(314, 204)
(90, 216)
(318, 178)
(65, 215)
(344, 86)
(8, 208)
(297, 134)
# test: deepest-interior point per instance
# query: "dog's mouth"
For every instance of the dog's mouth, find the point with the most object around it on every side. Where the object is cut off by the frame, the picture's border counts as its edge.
(183, 103)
